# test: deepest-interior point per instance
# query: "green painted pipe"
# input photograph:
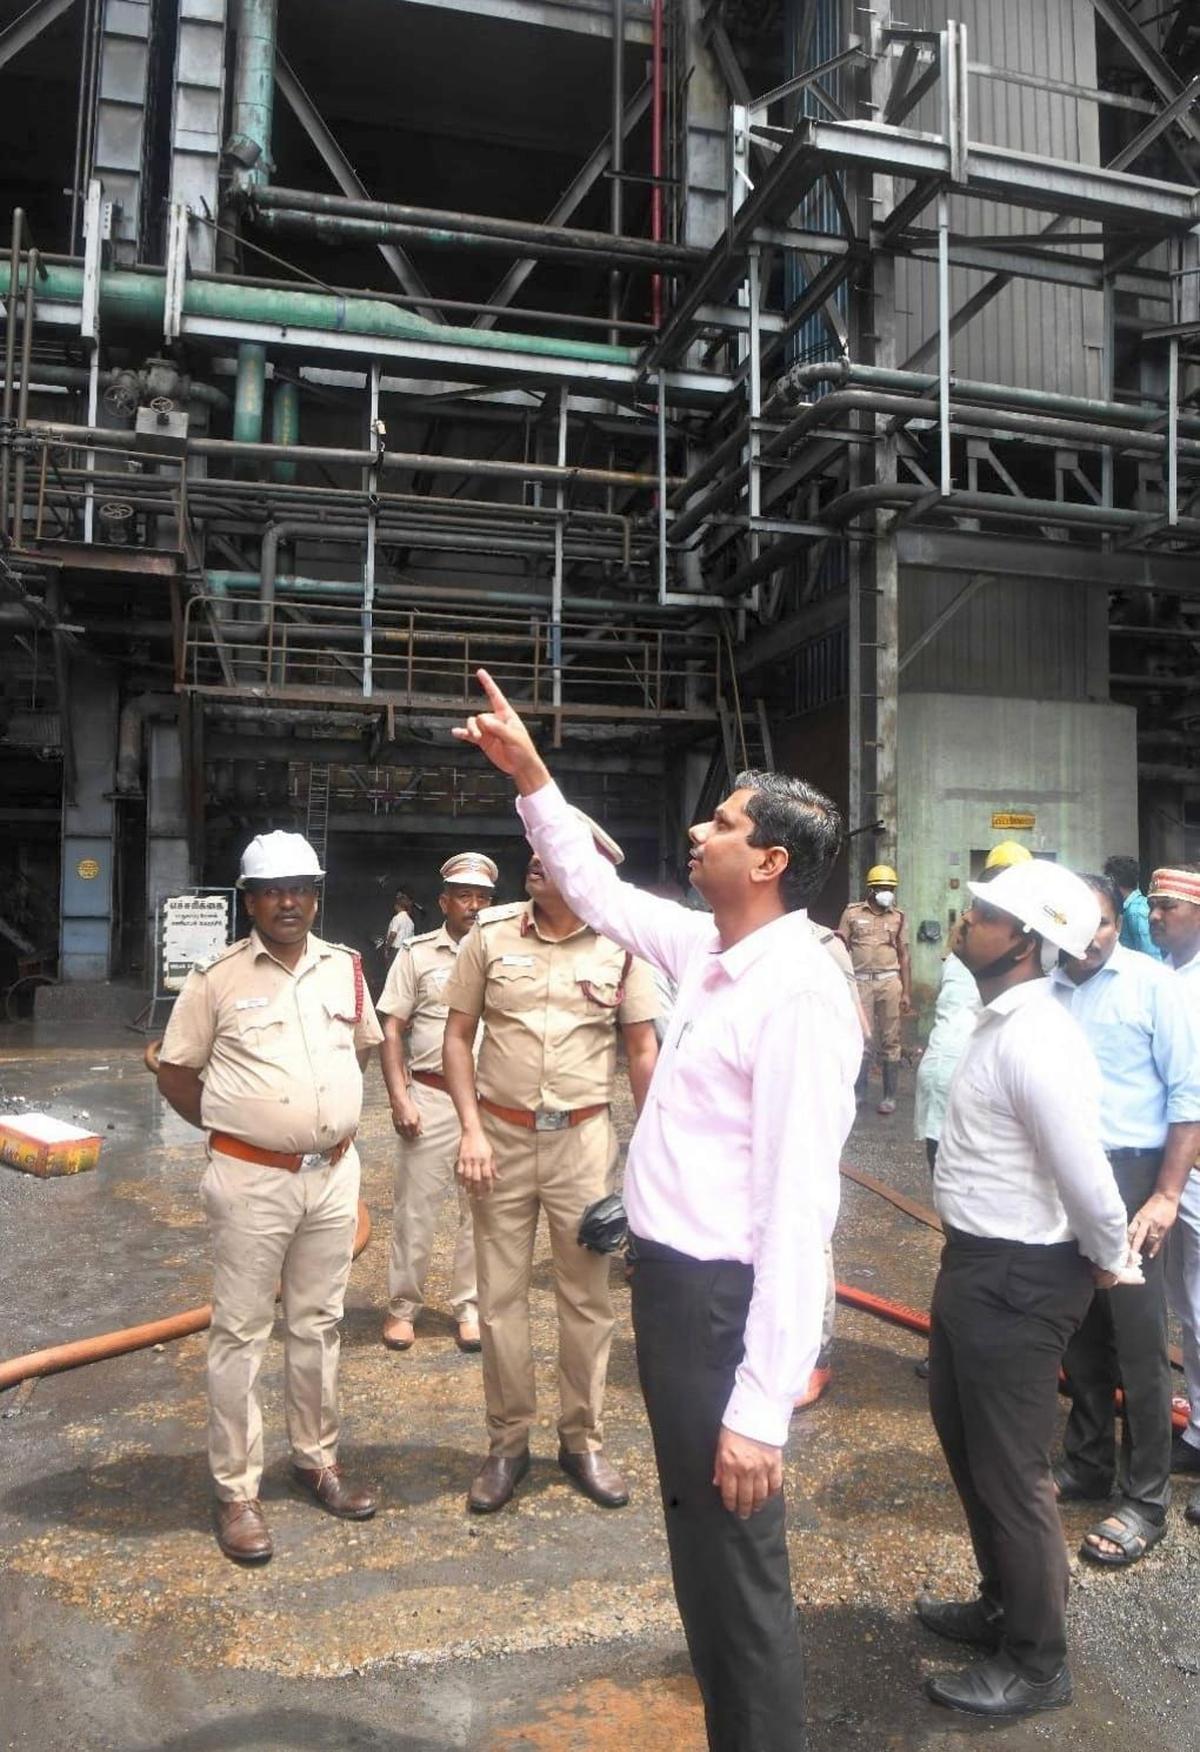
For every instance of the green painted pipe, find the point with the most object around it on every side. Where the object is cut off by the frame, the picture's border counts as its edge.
(285, 424)
(136, 297)
(254, 86)
(250, 394)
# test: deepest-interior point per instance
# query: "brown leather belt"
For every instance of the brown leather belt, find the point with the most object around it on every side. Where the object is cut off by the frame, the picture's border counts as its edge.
(244, 1152)
(432, 1080)
(545, 1119)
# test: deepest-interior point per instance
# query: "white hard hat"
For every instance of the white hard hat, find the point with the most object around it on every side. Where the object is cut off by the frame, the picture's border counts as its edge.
(1046, 898)
(270, 856)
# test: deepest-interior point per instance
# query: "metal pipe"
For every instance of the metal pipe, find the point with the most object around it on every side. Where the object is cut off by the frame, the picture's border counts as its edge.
(285, 425)
(100, 437)
(656, 153)
(841, 401)
(526, 232)
(617, 159)
(249, 397)
(136, 297)
(336, 230)
(10, 348)
(18, 512)
(254, 90)
(79, 377)
(340, 589)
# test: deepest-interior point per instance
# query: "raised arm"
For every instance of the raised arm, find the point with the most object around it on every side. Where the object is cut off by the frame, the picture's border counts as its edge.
(660, 931)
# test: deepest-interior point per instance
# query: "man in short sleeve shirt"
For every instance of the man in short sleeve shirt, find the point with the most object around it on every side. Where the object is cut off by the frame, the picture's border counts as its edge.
(537, 1135)
(264, 1052)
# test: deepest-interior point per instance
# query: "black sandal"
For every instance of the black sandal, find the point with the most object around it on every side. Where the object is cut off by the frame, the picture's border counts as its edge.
(1133, 1533)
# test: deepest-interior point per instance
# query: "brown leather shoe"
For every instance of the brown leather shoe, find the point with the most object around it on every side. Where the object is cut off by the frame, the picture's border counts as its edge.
(242, 1532)
(596, 1478)
(334, 1492)
(467, 1337)
(398, 1334)
(495, 1482)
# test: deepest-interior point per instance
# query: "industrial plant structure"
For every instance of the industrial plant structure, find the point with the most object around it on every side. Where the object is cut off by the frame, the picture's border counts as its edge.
(742, 382)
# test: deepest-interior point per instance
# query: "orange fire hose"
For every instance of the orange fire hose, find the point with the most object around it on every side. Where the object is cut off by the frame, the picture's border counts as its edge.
(131, 1338)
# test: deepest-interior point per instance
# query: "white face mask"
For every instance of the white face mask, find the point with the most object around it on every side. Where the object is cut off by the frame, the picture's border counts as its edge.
(883, 896)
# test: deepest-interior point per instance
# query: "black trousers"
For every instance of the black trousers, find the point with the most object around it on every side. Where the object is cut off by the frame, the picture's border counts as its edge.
(1123, 1343)
(1003, 1314)
(731, 1577)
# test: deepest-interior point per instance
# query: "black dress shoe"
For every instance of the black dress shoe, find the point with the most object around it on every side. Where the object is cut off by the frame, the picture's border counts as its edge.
(495, 1482)
(592, 1474)
(965, 1621)
(1184, 1457)
(995, 1688)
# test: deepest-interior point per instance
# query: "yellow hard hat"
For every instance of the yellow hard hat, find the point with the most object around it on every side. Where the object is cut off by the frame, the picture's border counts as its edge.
(881, 876)
(1006, 853)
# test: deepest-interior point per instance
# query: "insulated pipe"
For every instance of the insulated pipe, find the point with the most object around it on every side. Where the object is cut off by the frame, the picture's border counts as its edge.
(253, 104)
(250, 394)
(602, 244)
(10, 353)
(58, 1357)
(136, 297)
(285, 425)
(134, 713)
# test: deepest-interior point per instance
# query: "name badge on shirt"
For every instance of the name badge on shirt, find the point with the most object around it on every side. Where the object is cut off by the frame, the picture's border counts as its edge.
(251, 1003)
(516, 961)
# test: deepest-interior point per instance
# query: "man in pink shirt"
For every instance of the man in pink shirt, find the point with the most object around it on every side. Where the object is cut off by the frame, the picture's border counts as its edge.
(732, 1190)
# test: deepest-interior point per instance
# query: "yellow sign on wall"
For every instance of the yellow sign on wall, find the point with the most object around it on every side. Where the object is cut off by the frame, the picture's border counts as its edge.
(1014, 820)
(87, 869)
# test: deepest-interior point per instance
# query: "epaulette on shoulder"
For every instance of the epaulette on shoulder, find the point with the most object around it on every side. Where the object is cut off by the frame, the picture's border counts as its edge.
(222, 955)
(508, 910)
(425, 937)
(344, 947)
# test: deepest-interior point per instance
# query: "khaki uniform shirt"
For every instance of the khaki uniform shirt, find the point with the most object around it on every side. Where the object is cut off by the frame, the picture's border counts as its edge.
(875, 938)
(415, 993)
(276, 1046)
(550, 1009)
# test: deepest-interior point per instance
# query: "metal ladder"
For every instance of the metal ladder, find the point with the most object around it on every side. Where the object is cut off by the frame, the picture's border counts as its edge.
(744, 742)
(316, 819)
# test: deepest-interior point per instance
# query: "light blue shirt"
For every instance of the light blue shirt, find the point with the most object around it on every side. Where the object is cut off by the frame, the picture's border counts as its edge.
(1135, 926)
(1147, 1043)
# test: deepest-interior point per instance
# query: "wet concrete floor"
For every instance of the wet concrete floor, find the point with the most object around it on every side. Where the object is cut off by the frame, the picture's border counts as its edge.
(548, 1626)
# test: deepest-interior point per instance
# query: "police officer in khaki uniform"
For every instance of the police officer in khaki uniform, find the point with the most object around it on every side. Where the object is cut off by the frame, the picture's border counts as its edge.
(552, 995)
(264, 1052)
(876, 933)
(413, 1008)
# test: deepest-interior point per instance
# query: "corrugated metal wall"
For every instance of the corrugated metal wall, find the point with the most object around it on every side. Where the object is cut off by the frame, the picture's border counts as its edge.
(1036, 336)
(1035, 638)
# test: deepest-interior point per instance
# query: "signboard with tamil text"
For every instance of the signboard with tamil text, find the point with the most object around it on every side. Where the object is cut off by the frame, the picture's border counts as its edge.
(1014, 820)
(192, 929)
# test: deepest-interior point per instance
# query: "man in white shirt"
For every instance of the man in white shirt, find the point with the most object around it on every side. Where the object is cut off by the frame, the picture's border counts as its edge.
(1175, 929)
(1147, 1046)
(732, 1189)
(1033, 1220)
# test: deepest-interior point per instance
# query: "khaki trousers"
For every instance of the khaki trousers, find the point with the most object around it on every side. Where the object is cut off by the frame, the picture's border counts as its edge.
(269, 1226)
(881, 1001)
(424, 1176)
(560, 1173)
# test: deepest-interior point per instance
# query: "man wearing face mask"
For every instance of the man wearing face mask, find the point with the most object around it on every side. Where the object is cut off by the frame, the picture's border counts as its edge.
(1033, 1221)
(1147, 1045)
(876, 933)
(413, 1007)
